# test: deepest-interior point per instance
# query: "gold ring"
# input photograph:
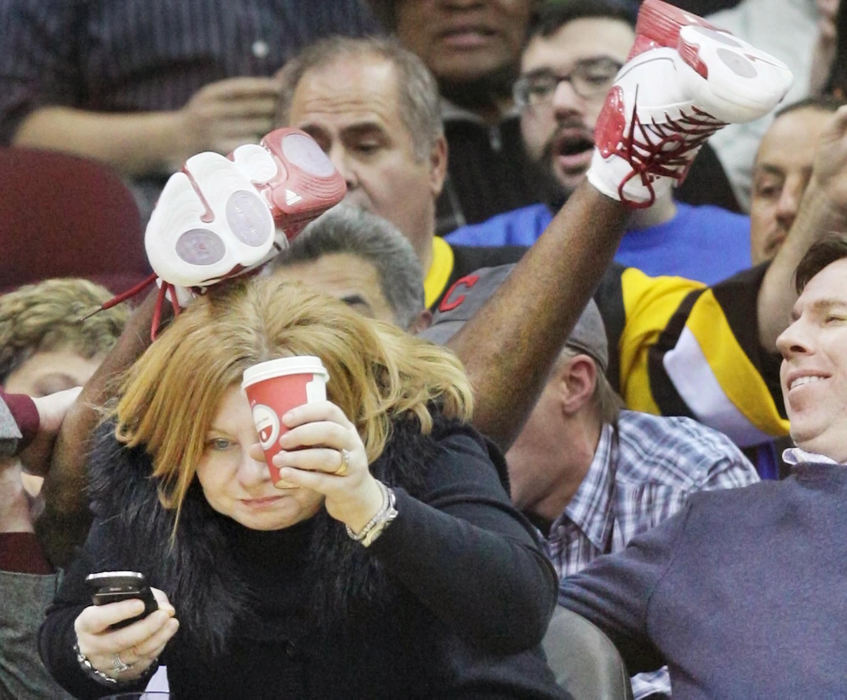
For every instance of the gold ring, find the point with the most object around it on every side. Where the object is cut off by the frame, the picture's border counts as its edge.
(345, 463)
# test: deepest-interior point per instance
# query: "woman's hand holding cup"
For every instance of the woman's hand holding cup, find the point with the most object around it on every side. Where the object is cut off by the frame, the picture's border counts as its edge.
(322, 451)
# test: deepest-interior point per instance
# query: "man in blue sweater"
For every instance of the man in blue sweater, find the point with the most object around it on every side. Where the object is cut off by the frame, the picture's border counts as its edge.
(742, 593)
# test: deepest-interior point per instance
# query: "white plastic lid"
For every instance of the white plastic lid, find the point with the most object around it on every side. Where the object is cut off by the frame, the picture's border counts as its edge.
(299, 364)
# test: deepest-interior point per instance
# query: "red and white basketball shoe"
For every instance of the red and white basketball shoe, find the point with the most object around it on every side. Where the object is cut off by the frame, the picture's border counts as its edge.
(684, 80)
(221, 217)
(224, 217)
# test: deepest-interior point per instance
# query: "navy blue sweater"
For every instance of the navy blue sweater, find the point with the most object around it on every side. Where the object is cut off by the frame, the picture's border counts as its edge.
(743, 594)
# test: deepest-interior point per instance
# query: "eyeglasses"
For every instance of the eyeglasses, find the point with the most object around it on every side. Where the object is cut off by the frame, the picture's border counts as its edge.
(589, 78)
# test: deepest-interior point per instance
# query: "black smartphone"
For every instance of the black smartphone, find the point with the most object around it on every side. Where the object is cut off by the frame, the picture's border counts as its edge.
(113, 586)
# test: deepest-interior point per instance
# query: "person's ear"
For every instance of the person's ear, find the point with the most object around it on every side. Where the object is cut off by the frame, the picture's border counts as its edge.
(577, 377)
(438, 165)
(421, 323)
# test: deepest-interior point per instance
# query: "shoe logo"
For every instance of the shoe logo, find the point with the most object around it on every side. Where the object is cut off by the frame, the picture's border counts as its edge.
(291, 197)
(200, 246)
(246, 216)
(739, 64)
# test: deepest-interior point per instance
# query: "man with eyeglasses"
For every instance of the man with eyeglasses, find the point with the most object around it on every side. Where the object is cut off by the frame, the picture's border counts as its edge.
(569, 63)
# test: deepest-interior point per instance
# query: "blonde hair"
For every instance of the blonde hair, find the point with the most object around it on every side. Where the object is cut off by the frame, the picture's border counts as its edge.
(377, 372)
(45, 316)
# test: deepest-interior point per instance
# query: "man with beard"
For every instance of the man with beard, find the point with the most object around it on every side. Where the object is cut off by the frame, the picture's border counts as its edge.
(570, 61)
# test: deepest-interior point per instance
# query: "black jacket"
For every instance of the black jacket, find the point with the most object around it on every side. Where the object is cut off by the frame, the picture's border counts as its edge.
(451, 601)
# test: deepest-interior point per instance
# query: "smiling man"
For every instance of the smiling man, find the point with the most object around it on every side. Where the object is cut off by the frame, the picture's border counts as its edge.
(814, 350)
(741, 594)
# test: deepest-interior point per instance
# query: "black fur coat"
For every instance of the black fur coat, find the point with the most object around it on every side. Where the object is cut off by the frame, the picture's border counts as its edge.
(195, 569)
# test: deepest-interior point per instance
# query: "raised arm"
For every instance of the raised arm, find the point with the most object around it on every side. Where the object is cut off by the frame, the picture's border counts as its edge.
(823, 210)
(508, 347)
(643, 145)
(65, 520)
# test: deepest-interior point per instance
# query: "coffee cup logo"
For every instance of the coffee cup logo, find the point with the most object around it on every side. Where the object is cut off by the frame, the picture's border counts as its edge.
(267, 425)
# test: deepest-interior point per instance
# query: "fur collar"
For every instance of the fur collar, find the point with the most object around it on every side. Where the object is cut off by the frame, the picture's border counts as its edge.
(197, 571)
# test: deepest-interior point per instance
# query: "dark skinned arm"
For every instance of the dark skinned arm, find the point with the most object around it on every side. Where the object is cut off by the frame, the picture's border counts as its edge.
(823, 209)
(509, 345)
(64, 523)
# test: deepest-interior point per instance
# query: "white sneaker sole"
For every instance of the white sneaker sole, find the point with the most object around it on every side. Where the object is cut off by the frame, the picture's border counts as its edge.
(730, 79)
(209, 222)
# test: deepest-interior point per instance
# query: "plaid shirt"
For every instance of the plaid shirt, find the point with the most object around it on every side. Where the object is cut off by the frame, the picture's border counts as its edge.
(643, 471)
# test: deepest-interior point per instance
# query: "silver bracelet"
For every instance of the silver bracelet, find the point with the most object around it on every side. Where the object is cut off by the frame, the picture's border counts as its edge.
(377, 524)
(88, 667)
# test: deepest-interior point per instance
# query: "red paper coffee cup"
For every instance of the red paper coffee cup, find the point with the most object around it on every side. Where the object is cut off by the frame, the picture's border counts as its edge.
(273, 388)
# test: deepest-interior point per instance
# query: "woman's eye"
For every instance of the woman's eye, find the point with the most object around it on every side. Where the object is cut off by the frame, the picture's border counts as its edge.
(218, 444)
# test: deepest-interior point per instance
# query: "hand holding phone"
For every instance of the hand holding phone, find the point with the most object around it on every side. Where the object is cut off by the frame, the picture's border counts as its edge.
(114, 586)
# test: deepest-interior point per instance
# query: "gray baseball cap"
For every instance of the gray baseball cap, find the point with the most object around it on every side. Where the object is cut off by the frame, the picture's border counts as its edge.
(468, 294)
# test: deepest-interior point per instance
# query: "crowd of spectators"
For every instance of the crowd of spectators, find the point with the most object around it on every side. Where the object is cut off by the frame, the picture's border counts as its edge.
(582, 309)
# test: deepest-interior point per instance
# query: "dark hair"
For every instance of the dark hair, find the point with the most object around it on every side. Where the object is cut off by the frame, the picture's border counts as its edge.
(822, 253)
(837, 81)
(554, 14)
(346, 229)
(825, 103)
(385, 13)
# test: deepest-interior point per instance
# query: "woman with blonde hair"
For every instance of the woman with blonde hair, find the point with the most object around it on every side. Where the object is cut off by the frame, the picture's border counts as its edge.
(393, 565)
(45, 346)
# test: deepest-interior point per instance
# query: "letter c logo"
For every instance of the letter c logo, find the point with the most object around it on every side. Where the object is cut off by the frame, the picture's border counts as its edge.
(466, 281)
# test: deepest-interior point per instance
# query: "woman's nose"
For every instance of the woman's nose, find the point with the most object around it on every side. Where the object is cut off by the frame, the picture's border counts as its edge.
(252, 471)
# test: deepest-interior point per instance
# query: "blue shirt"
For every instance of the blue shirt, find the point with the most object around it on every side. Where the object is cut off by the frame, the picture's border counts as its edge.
(704, 243)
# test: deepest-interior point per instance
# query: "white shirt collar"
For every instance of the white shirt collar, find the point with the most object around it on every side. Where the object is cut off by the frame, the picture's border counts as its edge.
(796, 455)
